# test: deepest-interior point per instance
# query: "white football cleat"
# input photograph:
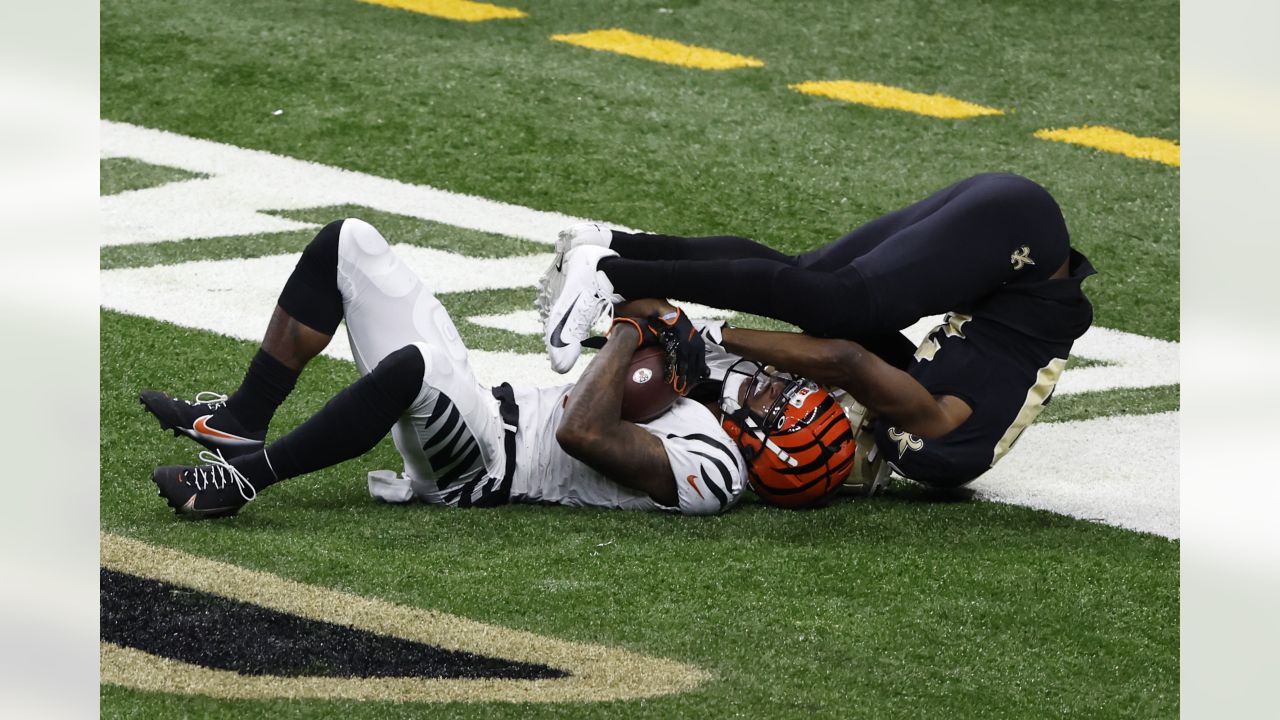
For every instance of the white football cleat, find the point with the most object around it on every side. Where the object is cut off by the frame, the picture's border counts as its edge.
(552, 281)
(585, 295)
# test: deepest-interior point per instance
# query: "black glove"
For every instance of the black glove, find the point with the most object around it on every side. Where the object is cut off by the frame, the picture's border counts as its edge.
(685, 349)
(681, 343)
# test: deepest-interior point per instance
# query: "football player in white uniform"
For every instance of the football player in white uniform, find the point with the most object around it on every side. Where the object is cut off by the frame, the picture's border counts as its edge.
(463, 444)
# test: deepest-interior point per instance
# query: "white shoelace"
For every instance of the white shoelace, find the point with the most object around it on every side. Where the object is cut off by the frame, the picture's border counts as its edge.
(207, 397)
(585, 315)
(219, 473)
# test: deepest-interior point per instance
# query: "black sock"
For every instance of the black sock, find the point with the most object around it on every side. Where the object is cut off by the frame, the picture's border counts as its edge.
(265, 386)
(347, 426)
(257, 467)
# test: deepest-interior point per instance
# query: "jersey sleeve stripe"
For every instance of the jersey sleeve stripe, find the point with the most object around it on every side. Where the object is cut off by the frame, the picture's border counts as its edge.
(725, 480)
(706, 439)
(720, 496)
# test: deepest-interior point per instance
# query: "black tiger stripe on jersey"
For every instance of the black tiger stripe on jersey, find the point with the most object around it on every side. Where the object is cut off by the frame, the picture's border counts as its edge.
(724, 488)
(449, 442)
(442, 429)
(448, 426)
(726, 477)
(467, 464)
(440, 409)
(442, 421)
(706, 439)
(720, 496)
(442, 454)
(452, 457)
(492, 492)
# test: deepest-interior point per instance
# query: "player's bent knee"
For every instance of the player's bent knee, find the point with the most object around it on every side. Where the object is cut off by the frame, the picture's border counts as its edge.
(400, 374)
(360, 238)
(320, 256)
(311, 294)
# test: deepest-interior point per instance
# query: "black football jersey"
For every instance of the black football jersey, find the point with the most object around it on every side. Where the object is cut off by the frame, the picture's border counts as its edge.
(1003, 356)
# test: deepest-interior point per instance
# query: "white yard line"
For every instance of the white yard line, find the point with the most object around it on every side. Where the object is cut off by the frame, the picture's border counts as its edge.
(236, 297)
(1122, 471)
(243, 182)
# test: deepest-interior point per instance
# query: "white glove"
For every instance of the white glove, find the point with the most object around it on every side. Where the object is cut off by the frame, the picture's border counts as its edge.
(389, 486)
(712, 332)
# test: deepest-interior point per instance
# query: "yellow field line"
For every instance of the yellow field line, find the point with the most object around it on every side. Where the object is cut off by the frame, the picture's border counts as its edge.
(463, 10)
(1118, 141)
(892, 98)
(624, 42)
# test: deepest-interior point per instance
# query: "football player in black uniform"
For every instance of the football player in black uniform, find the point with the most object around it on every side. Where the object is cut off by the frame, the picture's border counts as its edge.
(991, 251)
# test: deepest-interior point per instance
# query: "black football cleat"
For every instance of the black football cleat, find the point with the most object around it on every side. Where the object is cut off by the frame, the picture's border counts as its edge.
(195, 419)
(202, 492)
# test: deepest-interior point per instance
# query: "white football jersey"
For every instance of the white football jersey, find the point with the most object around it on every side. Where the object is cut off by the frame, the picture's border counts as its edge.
(709, 470)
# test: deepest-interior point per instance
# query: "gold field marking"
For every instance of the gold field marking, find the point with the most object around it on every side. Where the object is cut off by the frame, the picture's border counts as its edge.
(1118, 141)
(596, 673)
(892, 98)
(453, 9)
(625, 42)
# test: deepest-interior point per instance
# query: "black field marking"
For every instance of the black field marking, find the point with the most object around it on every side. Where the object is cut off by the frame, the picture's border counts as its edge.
(212, 631)
(586, 673)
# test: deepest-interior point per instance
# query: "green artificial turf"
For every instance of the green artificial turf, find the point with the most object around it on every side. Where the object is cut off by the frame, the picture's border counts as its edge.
(402, 229)
(497, 109)
(901, 607)
(123, 174)
(896, 607)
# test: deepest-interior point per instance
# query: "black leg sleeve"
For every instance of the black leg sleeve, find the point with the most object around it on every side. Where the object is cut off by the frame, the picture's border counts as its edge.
(311, 295)
(347, 426)
(645, 246)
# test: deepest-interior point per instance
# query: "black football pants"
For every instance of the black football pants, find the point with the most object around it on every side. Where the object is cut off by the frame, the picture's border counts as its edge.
(938, 255)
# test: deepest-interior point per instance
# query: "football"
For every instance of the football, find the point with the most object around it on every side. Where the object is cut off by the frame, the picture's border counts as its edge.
(645, 396)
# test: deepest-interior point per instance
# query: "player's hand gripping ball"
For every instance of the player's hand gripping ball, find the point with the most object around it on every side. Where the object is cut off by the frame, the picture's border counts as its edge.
(662, 324)
(670, 358)
(646, 395)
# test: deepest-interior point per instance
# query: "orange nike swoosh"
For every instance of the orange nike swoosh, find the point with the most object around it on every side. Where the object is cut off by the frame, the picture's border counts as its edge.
(203, 428)
(693, 480)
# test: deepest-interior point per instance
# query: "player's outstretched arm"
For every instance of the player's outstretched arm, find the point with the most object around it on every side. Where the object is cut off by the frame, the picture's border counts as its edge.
(593, 431)
(886, 390)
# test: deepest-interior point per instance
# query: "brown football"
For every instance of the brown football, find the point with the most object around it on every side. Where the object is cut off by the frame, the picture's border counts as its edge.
(645, 396)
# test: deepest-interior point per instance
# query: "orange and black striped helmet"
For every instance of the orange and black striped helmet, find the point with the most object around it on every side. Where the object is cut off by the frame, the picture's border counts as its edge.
(795, 438)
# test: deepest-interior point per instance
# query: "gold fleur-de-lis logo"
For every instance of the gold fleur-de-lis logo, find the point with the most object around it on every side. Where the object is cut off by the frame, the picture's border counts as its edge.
(906, 441)
(1021, 257)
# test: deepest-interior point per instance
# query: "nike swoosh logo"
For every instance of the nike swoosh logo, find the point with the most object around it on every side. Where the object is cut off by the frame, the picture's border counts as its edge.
(693, 480)
(555, 334)
(559, 261)
(201, 425)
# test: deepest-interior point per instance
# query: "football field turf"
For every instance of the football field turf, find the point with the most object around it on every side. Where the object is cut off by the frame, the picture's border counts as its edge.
(904, 606)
